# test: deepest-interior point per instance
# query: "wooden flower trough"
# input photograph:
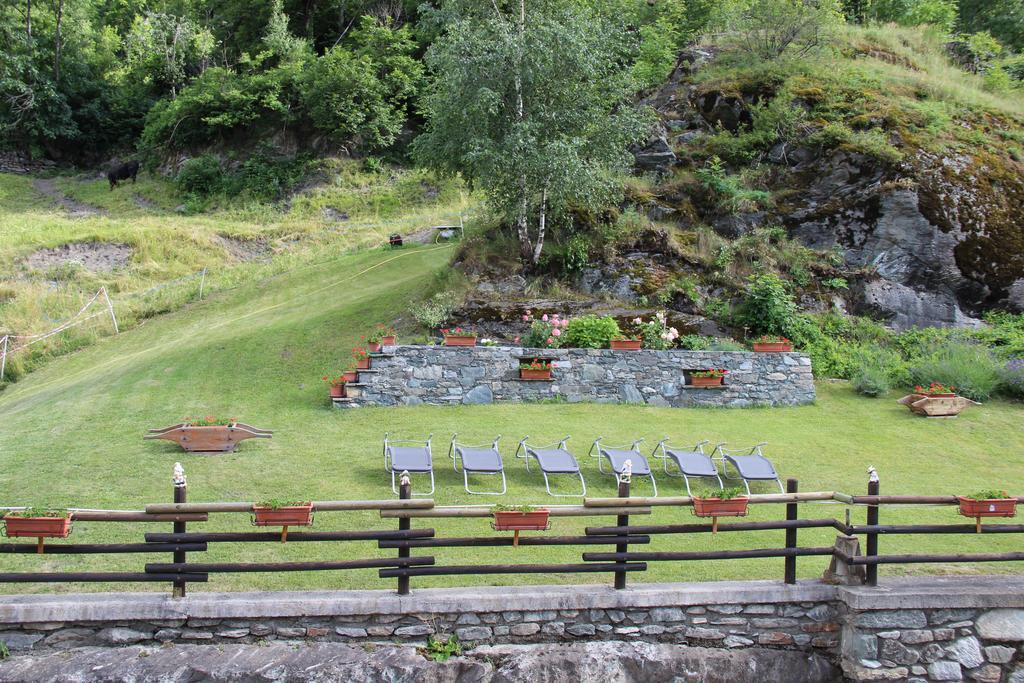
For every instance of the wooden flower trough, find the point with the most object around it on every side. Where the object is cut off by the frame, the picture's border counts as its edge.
(944, 405)
(720, 507)
(284, 517)
(518, 520)
(209, 439)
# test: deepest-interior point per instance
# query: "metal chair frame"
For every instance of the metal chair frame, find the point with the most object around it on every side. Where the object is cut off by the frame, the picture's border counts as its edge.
(453, 453)
(726, 455)
(388, 461)
(529, 451)
(697, 448)
(601, 455)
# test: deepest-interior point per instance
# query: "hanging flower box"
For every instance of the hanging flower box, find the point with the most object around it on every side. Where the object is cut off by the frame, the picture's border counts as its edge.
(283, 515)
(990, 503)
(771, 344)
(626, 344)
(537, 369)
(718, 507)
(459, 337)
(712, 377)
(17, 525)
(516, 520)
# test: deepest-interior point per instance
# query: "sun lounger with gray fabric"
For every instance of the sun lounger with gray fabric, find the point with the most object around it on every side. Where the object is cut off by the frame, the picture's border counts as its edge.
(552, 459)
(749, 464)
(691, 462)
(483, 459)
(617, 458)
(413, 457)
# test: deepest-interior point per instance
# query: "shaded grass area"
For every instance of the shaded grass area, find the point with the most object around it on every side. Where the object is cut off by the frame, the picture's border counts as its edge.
(71, 435)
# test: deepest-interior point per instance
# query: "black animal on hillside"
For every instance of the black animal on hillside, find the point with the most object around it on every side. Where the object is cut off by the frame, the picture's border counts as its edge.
(123, 172)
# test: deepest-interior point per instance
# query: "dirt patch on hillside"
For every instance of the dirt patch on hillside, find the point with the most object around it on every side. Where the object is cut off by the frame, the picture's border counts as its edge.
(241, 249)
(75, 208)
(95, 256)
(144, 203)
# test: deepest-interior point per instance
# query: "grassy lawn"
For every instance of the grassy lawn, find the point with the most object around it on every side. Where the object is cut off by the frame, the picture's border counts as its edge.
(71, 435)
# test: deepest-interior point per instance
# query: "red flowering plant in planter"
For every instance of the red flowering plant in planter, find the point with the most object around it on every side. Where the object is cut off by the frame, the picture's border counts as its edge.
(209, 421)
(538, 368)
(337, 385)
(362, 357)
(459, 336)
(770, 343)
(712, 377)
(936, 390)
(382, 335)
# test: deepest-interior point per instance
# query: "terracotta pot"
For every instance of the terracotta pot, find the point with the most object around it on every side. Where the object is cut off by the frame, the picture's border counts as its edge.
(706, 381)
(373, 347)
(512, 520)
(716, 507)
(389, 340)
(773, 347)
(534, 374)
(625, 344)
(337, 390)
(296, 515)
(38, 527)
(350, 376)
(363, 364)
(459, 340)
(993, 507)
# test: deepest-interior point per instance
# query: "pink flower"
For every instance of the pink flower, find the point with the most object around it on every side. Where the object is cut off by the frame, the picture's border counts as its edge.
(544, 317)
(526, 318)
(637, 321)
(556, 332)
(516, 340)
(564, 323)
(551, 340)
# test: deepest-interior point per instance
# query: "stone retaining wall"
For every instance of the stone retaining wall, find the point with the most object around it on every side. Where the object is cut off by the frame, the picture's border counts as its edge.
(412, 375)
(917, 630)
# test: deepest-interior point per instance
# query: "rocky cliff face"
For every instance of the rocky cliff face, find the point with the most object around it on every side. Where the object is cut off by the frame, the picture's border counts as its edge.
(939, 237)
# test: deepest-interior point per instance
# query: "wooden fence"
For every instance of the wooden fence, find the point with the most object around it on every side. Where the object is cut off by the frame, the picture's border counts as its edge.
(184, 545)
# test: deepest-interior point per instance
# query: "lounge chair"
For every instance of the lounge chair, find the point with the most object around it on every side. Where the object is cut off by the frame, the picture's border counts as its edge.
(691, 462)
(749, 463)
(482, 459)
(617, 458)
(552, 459)
(413, 457)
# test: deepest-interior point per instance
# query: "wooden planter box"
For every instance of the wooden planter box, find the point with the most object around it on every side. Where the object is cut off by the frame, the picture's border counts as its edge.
(350, 376)
(534, 374)
(363, 364)
(37, 527)
(459, 340)
(214, 439)
(936, 405)
(337, 391)
(625, 344)
(706, 381)
(773, 347)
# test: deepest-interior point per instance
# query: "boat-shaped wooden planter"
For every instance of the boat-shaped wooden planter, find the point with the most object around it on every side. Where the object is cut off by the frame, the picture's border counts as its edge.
(37, 527)
(625, 344)
(937, 405)
(990, 507)
(516, 521)
(284, 517)
(717, 507)
(212, 439)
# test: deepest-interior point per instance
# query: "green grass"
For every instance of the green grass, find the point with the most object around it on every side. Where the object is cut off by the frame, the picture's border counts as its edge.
(72, 436)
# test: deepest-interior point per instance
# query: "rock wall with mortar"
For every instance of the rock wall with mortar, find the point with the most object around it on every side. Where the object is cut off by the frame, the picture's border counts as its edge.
(411, 375)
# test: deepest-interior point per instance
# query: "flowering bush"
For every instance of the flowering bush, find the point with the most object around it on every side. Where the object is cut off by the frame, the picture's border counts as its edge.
(710, 372)
(935, 388)
(458, 332)
(545, 332)
(335, 381)
(209, 421)
(656, 333)
(1013, 377)
(381, 331)
(535, 364)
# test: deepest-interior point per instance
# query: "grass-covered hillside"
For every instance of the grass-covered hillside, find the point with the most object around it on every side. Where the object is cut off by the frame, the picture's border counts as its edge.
(72, 434)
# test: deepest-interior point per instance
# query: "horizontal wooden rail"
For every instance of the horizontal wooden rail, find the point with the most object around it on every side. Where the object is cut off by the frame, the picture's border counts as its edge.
(486, 511)
(513, 569)
(910, 500)
(470, 542)
(602, 531)
(687, 500)
(132, 516)
(101, 549)
(318, 505)
(275, 536)
(935, 529)
(705, 555)
(94, 577)
(925, 559)
(232, 567)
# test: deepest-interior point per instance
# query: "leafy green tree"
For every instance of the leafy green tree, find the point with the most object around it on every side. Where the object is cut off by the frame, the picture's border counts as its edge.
(770, 28)
(529, 104)
(166, 50)
(1004, 19)
(941, 13)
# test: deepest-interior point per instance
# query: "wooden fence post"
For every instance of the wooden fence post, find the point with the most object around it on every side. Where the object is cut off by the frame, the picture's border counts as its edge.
(872, 540)
(623, 520)
(404, 524)
(792, 514)
(180, 496)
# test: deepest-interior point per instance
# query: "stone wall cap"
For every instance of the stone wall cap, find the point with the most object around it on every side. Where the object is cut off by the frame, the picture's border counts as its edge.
(936, 592)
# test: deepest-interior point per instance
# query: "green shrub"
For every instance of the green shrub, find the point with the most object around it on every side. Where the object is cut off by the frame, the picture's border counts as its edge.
(435, 311)
(695, 342)
(768, 307)
(876, 370)
(973, 369)
(726, 345)
(591, 331)
(1012, 378)
(201, 176)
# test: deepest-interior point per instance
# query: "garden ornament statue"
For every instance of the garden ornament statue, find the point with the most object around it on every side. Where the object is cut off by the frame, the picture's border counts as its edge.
(627, 472)
(179, 475)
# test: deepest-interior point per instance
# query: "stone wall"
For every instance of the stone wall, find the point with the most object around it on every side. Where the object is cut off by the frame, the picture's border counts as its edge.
(918, 629)
(412, 375)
